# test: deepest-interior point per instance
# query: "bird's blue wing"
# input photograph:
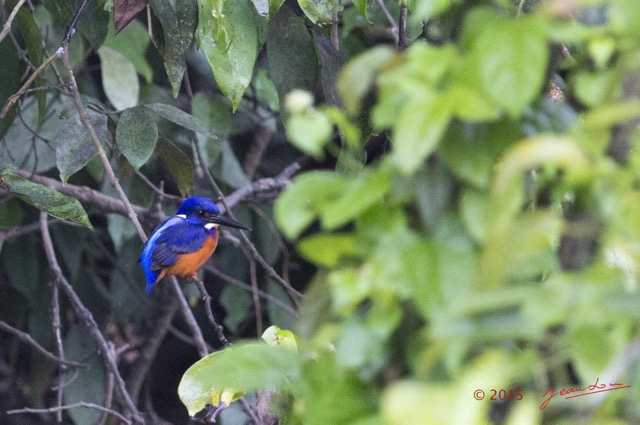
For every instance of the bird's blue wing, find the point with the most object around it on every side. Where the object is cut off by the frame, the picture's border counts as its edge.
(184, 237)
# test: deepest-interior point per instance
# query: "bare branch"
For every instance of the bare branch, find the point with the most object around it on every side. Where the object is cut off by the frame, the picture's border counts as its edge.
(70, 406)
(7, 25)
(87, 319)
(206, 299)
(25, 337)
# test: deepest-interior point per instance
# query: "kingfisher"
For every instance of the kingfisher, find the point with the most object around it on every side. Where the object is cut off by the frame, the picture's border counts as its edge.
(182, 243)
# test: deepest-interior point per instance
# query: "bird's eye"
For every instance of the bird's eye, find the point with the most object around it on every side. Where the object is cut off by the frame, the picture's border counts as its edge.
(200, 212)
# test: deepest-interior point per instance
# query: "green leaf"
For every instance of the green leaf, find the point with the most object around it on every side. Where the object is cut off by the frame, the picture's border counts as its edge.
(309, 131)
(509, 56)
(320, 11)
(244, 367)
(74, 147)
(136, 135)
(12, 69)
(357, 196)
(119, 78)
(179, 164)
(300, 203)
(361, 5)
(179, 19)
(267, 8)
(292, 56)
(276, 337)
(89, 383)
(45, 199)
(358, 75)
(181, 118)
(327, 249)
(132, 42)
(229, 41)
(418, 131)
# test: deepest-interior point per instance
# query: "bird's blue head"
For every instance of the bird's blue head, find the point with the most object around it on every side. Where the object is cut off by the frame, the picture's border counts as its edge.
(207, 211)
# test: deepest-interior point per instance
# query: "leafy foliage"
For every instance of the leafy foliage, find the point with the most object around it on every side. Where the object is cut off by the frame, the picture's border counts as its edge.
(467, 217)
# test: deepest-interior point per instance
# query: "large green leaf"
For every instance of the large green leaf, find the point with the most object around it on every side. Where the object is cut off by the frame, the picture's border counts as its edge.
(136, 135)
(119, 78)
(74, 147)
(178, 18)
(228, 37)
(45, 199)
(320, 11)
(244, 367)
(509, 57)
(292, 57)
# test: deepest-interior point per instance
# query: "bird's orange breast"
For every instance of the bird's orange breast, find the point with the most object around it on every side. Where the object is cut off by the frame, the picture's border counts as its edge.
(187, 264)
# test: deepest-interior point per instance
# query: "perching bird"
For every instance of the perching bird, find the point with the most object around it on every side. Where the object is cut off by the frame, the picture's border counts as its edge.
(182, 243)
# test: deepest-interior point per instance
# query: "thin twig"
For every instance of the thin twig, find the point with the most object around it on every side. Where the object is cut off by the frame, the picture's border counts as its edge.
(335, 30)
(206, 299)
(56, 324)
(87, 319)
(403, 41)
(191, 320)
(14, 97)
(71, 406)
(7, 25)
(25, 337)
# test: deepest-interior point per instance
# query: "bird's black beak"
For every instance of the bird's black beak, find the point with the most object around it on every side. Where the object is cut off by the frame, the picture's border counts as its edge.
(224, 221)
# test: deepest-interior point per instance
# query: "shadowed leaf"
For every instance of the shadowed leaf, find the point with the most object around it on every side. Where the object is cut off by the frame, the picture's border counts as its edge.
(136, 135)
(179, 164)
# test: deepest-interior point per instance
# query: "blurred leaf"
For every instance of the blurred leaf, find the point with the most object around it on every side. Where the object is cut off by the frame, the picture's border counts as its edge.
(276, 337)
(327, 249)
(179, 164)
(510, 57)
(89, 383)
(93, 21)
(300, 203)
(333, 395)
(23, 271)
(358, 75)
(361, 5)
(136, 135)
(309, 131)
(183, 119)
(125, 11)
(119, 78)
(418, 131)
(229, 41)
(557, 151)
(179, 20)
(320, 11)
(132, 42)
(10, 214)
(278, 315)
(244, 367)
(74, 147)
(292, 57)
(45, 199)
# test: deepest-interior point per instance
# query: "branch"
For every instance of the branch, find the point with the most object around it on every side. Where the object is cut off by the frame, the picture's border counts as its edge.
(25, 337)
(87, 318)
(7, 25)
(206, 299)
(70, 406)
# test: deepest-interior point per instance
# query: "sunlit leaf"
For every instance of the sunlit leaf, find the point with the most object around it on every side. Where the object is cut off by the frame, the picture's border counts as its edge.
(45, 199)
(320, 11)
(229, 41)
(243, 368)
(276, 337)
(326, 250)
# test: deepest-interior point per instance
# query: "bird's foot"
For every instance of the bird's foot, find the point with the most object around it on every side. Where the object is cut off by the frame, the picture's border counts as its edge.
(192, 276)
